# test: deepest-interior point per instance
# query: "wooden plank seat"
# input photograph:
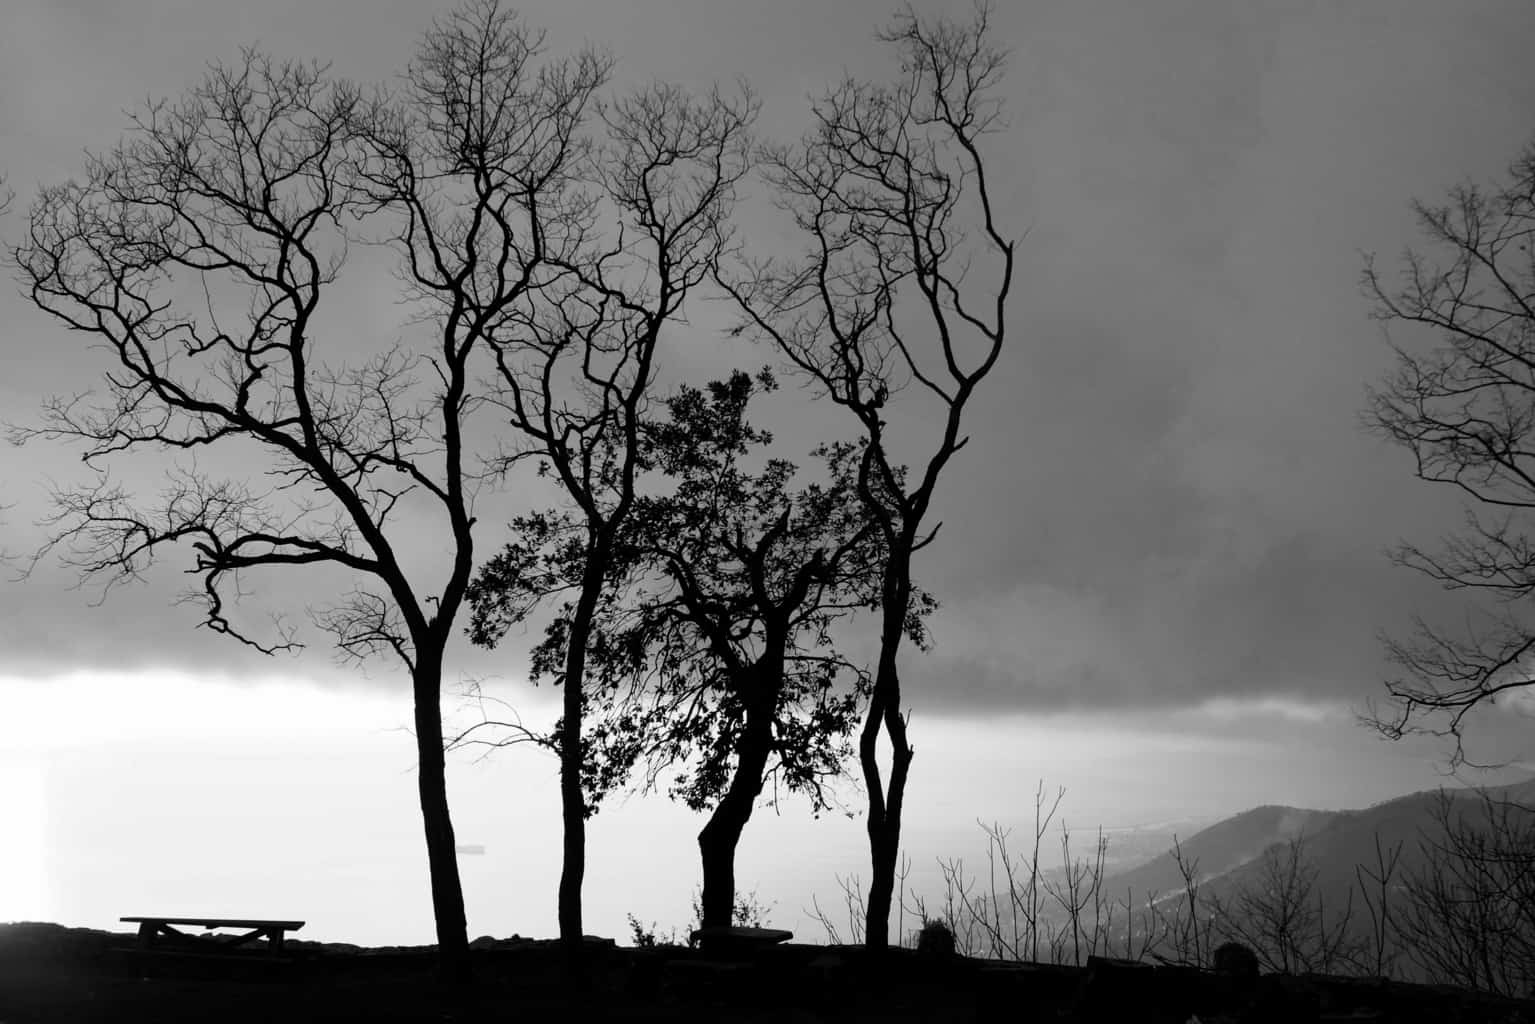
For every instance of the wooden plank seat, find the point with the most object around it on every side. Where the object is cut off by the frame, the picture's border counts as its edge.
(154, 929)
(735, 939)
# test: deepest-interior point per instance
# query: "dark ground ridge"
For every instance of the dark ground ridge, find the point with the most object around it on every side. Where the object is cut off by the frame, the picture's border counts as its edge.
(52, 973)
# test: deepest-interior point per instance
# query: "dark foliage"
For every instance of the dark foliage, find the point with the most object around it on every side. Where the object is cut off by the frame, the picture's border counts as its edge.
(729, 590)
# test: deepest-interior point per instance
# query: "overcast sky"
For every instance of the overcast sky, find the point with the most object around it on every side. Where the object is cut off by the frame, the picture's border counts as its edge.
(1169, 523)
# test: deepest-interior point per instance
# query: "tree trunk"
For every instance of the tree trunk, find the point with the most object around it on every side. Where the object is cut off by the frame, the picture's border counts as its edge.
(884, 825)
(720, 836)
(441, 853)
(885, 833)
(573, 756)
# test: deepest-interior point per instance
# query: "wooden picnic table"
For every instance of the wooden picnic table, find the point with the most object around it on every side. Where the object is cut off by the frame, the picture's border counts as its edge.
(153, 928)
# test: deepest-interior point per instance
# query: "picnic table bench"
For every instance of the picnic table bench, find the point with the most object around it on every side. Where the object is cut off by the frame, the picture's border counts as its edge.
(152, 929)
(737, 939)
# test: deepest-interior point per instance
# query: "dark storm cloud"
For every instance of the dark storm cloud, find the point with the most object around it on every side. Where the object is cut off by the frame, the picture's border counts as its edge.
(48, 626)
(1171, 499)
(1297, 620)
(1168, 497)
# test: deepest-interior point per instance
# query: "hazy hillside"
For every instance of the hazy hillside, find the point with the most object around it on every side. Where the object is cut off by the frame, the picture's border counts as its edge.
(1229, 854)
(1221, 847)
(1340, 841)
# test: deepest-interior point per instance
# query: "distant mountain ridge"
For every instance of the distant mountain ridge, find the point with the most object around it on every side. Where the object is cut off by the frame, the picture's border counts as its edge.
(1222, 847)
(1228, 855)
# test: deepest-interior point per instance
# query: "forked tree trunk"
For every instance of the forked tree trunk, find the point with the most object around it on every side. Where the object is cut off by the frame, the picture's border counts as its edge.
(441, 853)
(884, 830)
(884, 824)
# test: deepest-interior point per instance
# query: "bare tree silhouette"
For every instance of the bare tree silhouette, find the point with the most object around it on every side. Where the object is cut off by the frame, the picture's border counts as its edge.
(247, 193)
(1464, 409)
(670, 175)
(492, 125)
(1468, 916)
(609, 215)
(885, 297)
(1284, 920)
(199, 251)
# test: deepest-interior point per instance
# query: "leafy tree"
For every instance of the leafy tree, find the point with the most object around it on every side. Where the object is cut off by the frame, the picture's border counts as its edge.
(1465, 410)
(716, 655)
(890, 294)
(730, 660)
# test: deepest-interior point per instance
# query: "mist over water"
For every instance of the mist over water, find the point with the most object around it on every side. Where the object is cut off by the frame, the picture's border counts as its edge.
(160, 793)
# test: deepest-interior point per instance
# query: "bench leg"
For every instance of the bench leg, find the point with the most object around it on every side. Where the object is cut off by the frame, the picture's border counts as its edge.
(146, 935)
